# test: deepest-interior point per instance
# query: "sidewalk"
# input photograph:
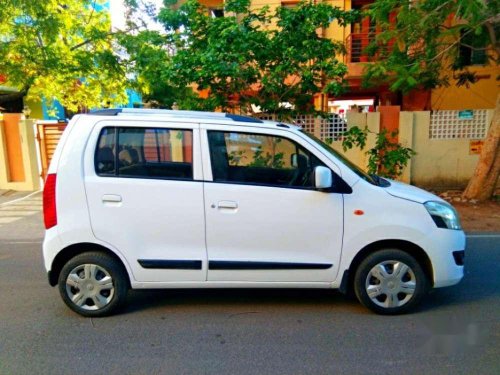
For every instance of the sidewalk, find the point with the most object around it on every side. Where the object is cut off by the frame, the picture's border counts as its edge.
(479, 217)
(10, 195)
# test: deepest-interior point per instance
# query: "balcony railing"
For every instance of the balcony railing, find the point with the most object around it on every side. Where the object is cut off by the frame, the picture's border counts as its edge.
(357, 44)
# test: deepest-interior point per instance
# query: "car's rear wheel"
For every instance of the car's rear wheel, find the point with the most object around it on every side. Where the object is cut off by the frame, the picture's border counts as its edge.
(93, 284)
(390, 282)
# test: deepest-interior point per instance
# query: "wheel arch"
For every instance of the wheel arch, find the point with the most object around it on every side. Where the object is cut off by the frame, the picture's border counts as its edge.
(409, 247)
(76, 249)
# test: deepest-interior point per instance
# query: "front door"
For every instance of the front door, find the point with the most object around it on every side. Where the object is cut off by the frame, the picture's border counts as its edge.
(144, 199)
(264, 219)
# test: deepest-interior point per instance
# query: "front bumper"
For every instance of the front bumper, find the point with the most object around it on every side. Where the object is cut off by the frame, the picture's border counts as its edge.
(445, 248)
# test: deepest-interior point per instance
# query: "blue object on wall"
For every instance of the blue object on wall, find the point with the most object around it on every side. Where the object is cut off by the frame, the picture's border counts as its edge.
(52, 112)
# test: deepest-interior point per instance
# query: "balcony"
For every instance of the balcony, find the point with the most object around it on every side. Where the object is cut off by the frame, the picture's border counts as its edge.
(356, 44)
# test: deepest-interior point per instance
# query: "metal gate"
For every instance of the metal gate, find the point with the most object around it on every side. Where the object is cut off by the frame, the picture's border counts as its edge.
(48, 135)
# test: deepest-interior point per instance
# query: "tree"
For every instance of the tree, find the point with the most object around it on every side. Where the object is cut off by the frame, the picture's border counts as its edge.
(422, 45)
(272, 59)
(60, 50)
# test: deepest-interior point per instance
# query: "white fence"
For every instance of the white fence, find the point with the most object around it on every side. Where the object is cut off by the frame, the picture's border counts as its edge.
(330, 127)
(459, 124)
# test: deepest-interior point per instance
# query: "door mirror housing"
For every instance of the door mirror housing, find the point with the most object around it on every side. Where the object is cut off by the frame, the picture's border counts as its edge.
(323, 178)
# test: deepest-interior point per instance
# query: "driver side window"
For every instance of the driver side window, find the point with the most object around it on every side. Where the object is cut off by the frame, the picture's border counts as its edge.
(260, 159)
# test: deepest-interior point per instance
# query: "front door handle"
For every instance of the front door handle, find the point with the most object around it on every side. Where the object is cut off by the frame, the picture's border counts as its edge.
(114, 198)
(227, 205)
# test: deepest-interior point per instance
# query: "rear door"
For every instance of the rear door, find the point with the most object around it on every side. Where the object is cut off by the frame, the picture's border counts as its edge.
(264, 219)
(145, 197)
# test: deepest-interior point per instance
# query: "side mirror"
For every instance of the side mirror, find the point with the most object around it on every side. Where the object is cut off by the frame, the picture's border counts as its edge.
(323, 178)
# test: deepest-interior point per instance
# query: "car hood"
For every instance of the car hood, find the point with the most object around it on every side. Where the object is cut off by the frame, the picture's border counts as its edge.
(409, 192)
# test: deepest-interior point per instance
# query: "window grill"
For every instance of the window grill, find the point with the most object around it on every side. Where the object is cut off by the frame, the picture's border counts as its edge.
(306, 122)
(332, 127)
(449, 125)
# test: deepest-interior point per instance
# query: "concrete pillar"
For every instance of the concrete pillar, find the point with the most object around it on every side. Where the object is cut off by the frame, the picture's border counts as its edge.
(28, 146)
(31, 180)
(406, 124)
(4, 163)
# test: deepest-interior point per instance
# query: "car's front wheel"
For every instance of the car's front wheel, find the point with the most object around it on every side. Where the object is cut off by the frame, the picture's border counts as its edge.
(93, 284)
(390, 282)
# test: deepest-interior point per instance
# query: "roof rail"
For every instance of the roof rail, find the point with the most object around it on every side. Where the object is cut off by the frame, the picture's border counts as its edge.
(105, 112)
(243, 118)
(174, 113)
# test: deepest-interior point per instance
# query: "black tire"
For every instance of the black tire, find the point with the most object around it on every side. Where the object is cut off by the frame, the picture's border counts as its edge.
(103, 292)
(394, 294)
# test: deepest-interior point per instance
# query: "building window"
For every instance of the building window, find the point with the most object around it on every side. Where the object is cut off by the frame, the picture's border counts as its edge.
(472, 49)
(216, 12)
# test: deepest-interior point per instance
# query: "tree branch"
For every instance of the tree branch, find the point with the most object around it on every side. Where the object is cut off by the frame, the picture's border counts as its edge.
(91, 12)
(111, 33)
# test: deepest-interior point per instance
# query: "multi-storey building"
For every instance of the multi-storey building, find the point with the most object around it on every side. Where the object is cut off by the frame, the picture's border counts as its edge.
(356, 37)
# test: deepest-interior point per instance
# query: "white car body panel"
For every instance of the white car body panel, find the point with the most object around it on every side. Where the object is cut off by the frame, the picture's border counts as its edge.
(270, 224)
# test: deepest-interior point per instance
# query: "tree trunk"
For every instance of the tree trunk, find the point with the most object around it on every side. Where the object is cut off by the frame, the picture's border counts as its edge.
(483, 183)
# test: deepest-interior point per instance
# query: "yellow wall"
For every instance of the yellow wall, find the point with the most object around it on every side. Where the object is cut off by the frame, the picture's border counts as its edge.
(361, 120)
(336, 32)
(480, 95)
(36, 109)
(439, 163)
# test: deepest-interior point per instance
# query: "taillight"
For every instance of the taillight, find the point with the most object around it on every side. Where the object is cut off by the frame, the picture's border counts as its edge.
(49, 202)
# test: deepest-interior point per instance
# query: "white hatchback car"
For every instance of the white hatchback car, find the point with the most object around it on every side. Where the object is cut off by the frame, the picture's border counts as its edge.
(177, 199)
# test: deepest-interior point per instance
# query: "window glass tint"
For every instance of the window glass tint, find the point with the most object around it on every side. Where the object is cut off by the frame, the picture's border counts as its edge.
(105, 156)
(260, 159)
(353, 167)
(147, 152)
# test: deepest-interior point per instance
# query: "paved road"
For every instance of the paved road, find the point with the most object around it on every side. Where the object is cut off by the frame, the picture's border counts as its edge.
(456, 331)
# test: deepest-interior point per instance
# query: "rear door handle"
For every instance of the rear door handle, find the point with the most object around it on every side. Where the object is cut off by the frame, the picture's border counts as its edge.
(228, 205)
(111, 198)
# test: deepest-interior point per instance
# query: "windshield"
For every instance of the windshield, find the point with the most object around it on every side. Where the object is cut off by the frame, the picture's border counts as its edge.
(353, 167)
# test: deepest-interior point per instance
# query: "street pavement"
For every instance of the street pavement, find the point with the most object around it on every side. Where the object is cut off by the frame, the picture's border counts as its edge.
(455, 331)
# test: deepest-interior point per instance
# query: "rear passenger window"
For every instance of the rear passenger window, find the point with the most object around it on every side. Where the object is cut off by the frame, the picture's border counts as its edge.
(145, 153)
(105, 157)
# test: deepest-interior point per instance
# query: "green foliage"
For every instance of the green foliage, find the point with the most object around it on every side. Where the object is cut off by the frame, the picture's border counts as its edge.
(235, 157)
(267, 160)
(250, 56)
(386, 158)
(60, 50)
(355, 136)
(420, 46)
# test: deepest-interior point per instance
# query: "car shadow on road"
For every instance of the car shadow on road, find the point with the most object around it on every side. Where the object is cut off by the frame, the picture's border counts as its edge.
(471, 290)
(208, 299)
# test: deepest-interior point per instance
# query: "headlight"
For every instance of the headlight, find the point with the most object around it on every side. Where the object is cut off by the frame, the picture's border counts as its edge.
(443, 214)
